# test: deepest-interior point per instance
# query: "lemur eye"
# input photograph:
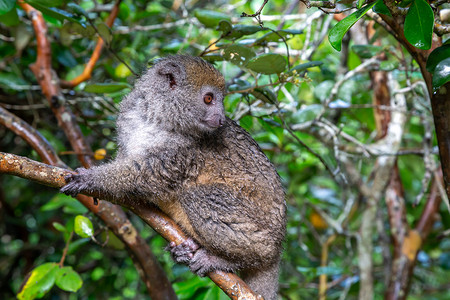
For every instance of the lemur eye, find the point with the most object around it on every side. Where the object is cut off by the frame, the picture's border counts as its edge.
(208, 98)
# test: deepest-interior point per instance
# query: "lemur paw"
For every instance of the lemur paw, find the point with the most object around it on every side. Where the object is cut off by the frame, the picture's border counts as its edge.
(184, 252)
(203, 262)
(76, 183)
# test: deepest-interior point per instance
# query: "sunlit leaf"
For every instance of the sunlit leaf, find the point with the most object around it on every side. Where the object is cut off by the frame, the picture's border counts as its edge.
(337, 33)
(39, 281)
(419, 23)
(441, 73)
(360, 3)
(438, 55)
(122, 71)
(83, 227)
(267, 63)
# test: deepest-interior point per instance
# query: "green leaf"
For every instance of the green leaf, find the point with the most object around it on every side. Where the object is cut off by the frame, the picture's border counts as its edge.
(97, 273)
(240, 30)
(57, 201)
(267, 64)
(38, 282)
(441, 73)
(438, 55)
(105, 33)
(265, 94)
(307, 113)
(75, 245)
(366, 51)
(224, 26)
(419, 23)
(83, 227)
(214, 293)
(247, 29)
(360, 3)
(238, 55)
(59, 227)
(239, 85)
(6, 6)
(122, 71)
(305, 66)
(68, 280)
(76, 9)
(381, 8)
(12, 81)
(188, 288)
(210, 18)
(50, 3)
(53, 12)
(340, 29)
(101, 88)
(10, 18)
(213, 57)
(388, 65)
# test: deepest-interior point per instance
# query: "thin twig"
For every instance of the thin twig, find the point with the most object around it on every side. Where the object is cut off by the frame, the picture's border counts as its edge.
(66, 248)
(256, 15)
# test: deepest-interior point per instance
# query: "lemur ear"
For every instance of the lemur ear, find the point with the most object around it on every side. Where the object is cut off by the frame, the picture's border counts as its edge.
(171, 72)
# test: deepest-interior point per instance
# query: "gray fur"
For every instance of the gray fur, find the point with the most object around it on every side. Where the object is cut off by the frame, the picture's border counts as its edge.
(214, 181)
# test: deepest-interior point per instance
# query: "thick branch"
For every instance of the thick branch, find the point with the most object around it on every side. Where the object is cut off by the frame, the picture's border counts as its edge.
(26, 168)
